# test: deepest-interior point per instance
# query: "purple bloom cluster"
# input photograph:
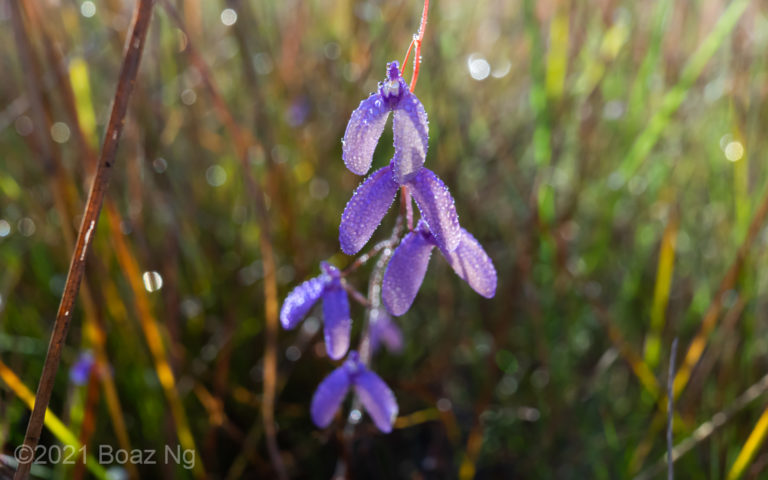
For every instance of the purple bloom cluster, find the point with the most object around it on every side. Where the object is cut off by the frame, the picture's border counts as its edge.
(438, 227)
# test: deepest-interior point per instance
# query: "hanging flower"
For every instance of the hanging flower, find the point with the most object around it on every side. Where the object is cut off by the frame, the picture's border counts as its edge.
(81, 369)
(409, 126)
(408, 265)
(372, 199)
(384, 331)
(376, 397)
(336, 320)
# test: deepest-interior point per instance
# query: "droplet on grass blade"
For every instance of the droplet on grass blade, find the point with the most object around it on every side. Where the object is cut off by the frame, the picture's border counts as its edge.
(153, 281)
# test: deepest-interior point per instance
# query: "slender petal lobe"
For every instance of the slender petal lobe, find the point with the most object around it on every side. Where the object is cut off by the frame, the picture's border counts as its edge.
(328, 397)
(377, 398)
(363, 133)
(384, 331)
(411, 137)
(365, 210)
(300, 301)
(405, 272)
(471, 263)
(337, 323)
(437, 208)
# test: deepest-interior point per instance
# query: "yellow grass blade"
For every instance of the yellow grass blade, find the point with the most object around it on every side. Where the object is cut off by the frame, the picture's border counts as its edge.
(750, 448)
(52, 422)
(661, 292)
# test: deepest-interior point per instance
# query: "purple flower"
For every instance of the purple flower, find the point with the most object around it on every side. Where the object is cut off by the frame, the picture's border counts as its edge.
(384, 331)
(408, 265)
(373, 197)
(374, 394)
(81, 369)
(410, 128)
(336, 320)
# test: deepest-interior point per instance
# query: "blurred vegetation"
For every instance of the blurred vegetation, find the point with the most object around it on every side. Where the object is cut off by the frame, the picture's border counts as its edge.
(607, 155)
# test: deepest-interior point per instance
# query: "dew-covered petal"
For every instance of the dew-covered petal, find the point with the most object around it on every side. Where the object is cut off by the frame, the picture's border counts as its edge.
(363, 133)
(328, 397)
(384, 331)
(377, 398)
(300, 301)
(365, 210)
(405, 272)
(336, 321)
(471, 263)
(411, 137)
(437, 208)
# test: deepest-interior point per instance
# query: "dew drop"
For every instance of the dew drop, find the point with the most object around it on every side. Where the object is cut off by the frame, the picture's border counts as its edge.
(152, 281)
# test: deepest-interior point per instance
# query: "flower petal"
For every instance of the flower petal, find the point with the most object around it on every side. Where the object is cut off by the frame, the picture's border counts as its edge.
(328, 397)
(81, 369)
(300, 301)
(385, 331)
(405, 272)
(377, 398)
(471, 263)
(337, 323)
(437, 208)
(363, 133)
(365, 210)
(411, 137)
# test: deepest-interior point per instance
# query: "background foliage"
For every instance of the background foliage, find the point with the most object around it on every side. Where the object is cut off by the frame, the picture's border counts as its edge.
(607, 154)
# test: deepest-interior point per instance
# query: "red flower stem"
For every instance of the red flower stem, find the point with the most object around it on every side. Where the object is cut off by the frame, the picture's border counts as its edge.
(407, 55)
(417, 41)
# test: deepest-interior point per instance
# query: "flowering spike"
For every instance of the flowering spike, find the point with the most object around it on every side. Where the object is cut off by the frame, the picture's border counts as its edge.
(336, 320)
(472, 264)
(374, 394)
(299, 302)
(363, 132)
(411, 132)
(377, 398)
(393, 88)
(81, 369)
(437, 208)
(405, 272)
(328, 397)
(365, 210)
(384, 331)
(411, 137)
(408, 264)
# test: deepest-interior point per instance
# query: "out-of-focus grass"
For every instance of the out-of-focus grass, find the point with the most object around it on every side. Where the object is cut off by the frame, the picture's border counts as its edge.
(606, 154)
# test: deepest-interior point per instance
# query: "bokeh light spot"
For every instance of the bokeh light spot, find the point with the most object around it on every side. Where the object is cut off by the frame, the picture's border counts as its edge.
(228, 17)
(478, 67)
(216, 176)
(734, 151)
(88, 9)
(152, 281)
(60, 132)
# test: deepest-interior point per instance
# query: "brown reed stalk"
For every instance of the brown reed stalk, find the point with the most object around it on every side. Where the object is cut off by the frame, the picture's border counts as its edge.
(127, 78)
(94, 325)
